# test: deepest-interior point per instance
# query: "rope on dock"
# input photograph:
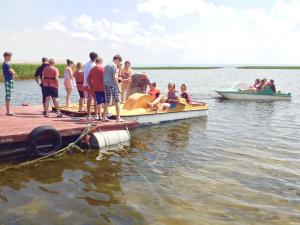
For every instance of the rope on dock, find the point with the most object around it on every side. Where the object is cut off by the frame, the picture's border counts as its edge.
(71, 146)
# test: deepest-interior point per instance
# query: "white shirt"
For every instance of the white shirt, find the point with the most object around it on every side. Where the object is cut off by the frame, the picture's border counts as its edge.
(86, 71)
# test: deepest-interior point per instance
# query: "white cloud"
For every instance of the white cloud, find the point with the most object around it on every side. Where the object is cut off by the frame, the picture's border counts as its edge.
(212, 34)
(55, 26)
(84, 35)
(177, 8)
(116, 10)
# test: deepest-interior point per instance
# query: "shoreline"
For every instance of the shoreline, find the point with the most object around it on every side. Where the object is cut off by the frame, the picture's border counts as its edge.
(26, 71)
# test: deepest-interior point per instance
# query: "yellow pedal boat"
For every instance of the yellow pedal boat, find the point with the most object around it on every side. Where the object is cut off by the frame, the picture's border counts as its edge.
(136, 109)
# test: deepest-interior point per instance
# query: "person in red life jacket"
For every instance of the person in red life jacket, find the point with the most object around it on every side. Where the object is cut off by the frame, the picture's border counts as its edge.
(255, 85)
(272, 86)
(96, 84)
(154, 92)
(79, 83)
(261, 85)
(50, 84)
(184, 94)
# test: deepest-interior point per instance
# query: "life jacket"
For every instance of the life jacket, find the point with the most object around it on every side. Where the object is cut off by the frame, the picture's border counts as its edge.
(172, 96)
(49, 77)
(79, 80)
(154, 93)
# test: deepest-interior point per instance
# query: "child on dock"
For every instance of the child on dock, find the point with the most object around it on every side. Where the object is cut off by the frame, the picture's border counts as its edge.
(69, 81)
(50, 83)
(9, 74)
(79, 83)
(96, 84)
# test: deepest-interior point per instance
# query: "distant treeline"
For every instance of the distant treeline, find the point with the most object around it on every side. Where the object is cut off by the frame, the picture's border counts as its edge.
(27, 71)
(270, 67)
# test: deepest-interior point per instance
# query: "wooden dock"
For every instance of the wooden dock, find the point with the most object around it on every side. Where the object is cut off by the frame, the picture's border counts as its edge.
(17, 128)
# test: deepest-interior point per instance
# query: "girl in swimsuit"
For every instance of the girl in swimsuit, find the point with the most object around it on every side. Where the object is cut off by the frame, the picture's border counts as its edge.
(127, 72)
(69, 81)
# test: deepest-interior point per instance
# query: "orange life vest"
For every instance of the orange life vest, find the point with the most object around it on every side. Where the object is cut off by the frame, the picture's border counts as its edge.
(154, 93)
(79, 80)
(49, 77)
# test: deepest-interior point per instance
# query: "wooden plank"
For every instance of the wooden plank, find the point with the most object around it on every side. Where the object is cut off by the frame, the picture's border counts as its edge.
(17, 129)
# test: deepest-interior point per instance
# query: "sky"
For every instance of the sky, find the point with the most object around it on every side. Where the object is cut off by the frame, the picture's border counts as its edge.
(153, 32)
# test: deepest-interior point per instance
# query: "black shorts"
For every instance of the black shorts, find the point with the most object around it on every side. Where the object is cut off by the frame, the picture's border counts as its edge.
(50, 92)
(81, 94)
(100, 97)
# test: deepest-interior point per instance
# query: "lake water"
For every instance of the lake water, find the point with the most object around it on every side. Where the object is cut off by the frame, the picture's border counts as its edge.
(241, 165)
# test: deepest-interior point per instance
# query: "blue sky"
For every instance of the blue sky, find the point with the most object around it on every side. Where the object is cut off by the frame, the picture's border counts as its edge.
(154, 31)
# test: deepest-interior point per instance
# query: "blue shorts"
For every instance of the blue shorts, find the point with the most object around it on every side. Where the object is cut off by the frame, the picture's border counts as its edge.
(100, 97)
(173, 105)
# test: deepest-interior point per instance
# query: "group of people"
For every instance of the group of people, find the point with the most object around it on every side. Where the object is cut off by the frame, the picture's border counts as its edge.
(96, 83)
(260, 84)
(161, 102)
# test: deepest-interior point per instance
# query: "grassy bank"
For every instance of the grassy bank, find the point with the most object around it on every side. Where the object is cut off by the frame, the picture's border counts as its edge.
(27, 71)
(270, 67)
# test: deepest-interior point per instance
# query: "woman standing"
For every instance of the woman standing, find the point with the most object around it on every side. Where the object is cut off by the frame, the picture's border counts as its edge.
(69, 81)
(127, 72)
(79, 83)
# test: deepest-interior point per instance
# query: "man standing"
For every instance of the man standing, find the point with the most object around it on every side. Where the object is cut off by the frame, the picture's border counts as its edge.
(9, 74)
(38, 77)
(86, 71)
(112, 91)
(50, 87)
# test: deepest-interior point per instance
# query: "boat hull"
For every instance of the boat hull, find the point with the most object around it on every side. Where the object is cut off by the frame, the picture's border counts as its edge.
(157, 118)
(249, 96)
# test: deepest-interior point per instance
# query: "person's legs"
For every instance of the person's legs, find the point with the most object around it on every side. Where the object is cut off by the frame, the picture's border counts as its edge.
(123, 90)
(9, 85)
(43, 99)
(69, 91)
(115, 94)
(163, 106)
(127, 90)
(47, 100)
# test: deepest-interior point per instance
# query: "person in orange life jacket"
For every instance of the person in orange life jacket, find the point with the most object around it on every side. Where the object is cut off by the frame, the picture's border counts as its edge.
(153, 91)
(184, 94)
(79, 83)
(96, 84)
(50, 83)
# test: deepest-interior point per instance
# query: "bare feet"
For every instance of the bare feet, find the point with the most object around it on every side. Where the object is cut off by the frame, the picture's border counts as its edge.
(119, 120)
(10, 114)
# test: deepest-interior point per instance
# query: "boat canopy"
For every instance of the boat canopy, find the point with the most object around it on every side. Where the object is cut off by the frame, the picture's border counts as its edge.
(240, 86)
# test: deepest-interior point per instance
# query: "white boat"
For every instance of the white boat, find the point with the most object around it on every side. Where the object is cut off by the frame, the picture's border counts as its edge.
(136, 109)
(240, 91)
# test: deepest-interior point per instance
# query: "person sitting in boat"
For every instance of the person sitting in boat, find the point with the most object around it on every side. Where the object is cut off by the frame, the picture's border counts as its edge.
(154, 92)
(261, 85)
(255, 85)
(184, 94)
(272, 86)
(172, 100)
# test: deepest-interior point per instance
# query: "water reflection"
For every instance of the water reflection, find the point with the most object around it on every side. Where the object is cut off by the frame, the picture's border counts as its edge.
(73, 180)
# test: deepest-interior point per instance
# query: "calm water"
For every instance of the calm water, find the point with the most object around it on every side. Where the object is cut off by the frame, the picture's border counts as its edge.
(241, 165)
